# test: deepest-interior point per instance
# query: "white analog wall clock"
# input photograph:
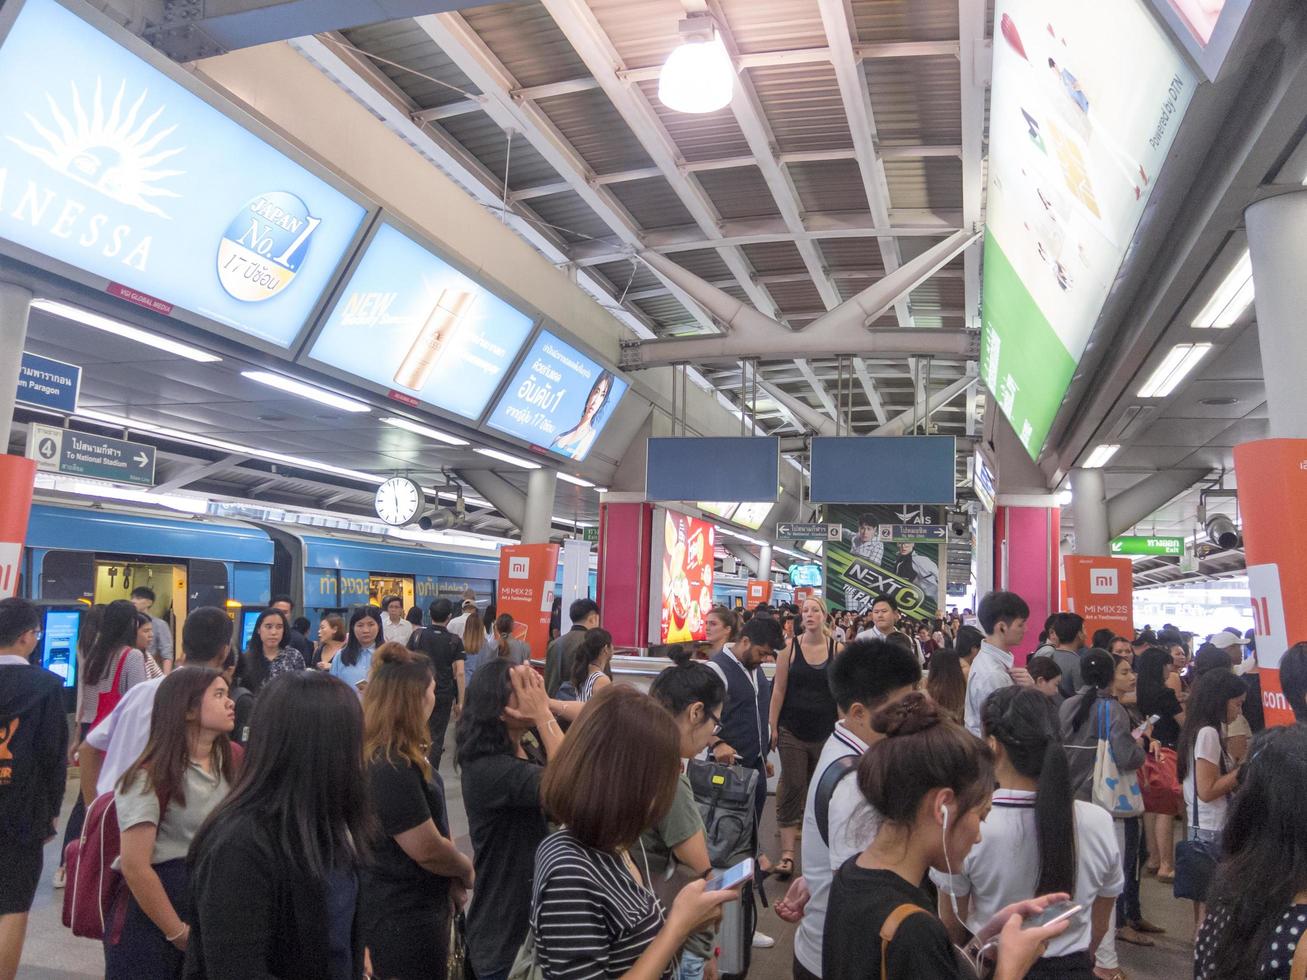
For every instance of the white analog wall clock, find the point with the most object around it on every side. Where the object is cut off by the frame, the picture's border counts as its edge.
(398, 501)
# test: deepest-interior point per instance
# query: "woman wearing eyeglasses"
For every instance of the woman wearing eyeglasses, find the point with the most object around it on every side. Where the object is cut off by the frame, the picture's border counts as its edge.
(694, 694)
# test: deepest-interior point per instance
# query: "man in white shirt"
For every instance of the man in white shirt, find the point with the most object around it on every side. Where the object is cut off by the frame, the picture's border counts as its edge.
(394, 627)
(119, 739)
(866, 676)
(457, 624)
(885, 620)
(1003, 617)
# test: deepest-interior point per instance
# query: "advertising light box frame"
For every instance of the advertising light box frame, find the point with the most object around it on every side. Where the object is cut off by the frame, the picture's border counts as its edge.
(844, 472)
(1209, 57)
(458, 264)
(718, 471)
(247, 122)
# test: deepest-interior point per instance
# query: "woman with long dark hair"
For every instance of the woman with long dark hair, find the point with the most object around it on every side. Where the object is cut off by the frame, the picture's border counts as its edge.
(930, 781)
(274, 871)
(1256, 931)
(506, 646)
(505, 728)
(268, 653)
(416, 874)
(1075, 848)
(113, 666)
(589, 672)
(355, 658)
(946, 683)
(576, 441)
(1157, 697)
(184, 772)
(87, 632)
(1206, 769)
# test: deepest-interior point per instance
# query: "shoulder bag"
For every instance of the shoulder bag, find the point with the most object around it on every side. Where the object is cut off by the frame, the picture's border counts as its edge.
(1195, 859)
(1115, 791)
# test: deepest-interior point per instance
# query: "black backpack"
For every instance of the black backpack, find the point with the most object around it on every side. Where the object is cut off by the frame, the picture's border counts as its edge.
(830, 779)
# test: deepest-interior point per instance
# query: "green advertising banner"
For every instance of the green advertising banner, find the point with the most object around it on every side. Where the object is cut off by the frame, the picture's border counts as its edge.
(1132, 544)
(860, 566)
(1076, 145)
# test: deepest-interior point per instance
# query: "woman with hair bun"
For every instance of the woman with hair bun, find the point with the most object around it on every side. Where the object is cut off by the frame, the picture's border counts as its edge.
(931, 781)
(1075, 843)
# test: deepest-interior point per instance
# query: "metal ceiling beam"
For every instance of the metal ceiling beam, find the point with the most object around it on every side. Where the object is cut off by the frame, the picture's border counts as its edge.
(974, 63)
(869, 389)
(506, 498)
(653, 292)
(1140, 501)
(584, 32)
(818, 56)
(359, 76)
(850, 73)
(818, 388)
(938, 342)
(452, 34)
(192, 473)
(902, 422)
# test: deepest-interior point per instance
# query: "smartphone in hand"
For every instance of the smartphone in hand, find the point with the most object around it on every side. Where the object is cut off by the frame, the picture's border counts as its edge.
(731, 877)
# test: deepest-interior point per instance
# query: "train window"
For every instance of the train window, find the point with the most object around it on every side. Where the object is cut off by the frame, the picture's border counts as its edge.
(208, 584)
(68, 575)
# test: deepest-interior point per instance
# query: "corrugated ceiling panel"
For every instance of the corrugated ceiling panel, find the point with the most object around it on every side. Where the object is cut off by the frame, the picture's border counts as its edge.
(572, 215)
(775, 257)
(710, 136)
(916, 100)
(773, 25)
(652, 202)
(481, 136)
(404, 43)
(642, 31)
(796, 297)
(526, 40)
(857, 254)
(803, 106)
(705, 263)
(829, 185)
(624, 276)
(739, 192)
(664, 310)
(934, 183)
(906, 20)
(597, 131)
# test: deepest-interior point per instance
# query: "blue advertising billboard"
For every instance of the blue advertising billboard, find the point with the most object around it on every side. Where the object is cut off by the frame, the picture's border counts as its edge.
(116, 170)
(883, 470)
(560, 399)
(413, 324)
(744, 468)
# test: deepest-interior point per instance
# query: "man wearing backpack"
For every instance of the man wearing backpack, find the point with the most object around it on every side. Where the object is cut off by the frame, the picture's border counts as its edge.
(33, 763)
(837, 823)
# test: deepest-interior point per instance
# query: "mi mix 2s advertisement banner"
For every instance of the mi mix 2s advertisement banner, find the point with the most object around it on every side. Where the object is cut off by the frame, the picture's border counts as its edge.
(1076, 148)
(411, 323)
(560, 399)
(527, 573)
(1101, 590)
(110, 166)
(687, 577)
(860, 566)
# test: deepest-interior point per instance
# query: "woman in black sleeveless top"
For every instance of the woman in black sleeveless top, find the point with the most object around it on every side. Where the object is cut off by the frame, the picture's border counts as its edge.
(803, 715)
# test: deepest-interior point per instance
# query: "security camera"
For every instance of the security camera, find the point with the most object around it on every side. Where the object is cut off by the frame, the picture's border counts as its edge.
(959, 524)
(1222, 532)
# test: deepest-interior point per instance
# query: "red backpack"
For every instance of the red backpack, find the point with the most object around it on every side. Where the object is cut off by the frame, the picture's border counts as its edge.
(91, 906)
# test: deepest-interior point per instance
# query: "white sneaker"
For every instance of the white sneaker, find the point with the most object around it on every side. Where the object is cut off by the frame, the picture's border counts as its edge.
(763, 941)
(58, 878)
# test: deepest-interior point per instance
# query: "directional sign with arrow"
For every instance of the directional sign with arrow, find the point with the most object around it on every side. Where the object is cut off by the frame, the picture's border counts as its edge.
(912, 532)
(95, 456)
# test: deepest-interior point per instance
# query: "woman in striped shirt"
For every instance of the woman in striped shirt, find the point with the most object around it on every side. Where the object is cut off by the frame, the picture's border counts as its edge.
(593, 914)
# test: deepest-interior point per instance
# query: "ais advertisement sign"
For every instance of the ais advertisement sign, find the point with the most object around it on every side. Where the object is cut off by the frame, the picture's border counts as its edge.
(860, 566)
(687, 577)
(110, 166)
(1102, 591)
(1076, 147)
(414, 325)
(559, 399)
(526, 591)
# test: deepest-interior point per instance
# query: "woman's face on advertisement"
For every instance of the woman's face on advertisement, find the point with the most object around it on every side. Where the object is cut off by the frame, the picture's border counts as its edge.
(597, 397)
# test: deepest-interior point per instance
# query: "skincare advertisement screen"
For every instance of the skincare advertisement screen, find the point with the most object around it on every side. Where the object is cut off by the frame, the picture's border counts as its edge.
(559, 399)
(59, 643)
(110, 166)
(1076, 148)
(413, 324)
(687, 577)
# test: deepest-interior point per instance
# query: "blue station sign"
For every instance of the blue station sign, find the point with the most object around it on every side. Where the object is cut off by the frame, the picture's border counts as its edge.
(46, 383)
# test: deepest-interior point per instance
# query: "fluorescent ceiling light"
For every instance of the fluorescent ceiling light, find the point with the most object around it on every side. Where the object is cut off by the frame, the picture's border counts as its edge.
(1064, 498)
(1231, 298)
(526, 464)
(423, 430)
(698, 76)
(1174, 368)
(574, 480)
(292, 387)
(601, 490)
(1100, 456)
(88, 319)
(107, 491)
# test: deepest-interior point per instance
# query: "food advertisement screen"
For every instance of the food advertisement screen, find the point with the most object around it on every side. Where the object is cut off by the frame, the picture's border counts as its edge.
(413, 324)
(687, 578)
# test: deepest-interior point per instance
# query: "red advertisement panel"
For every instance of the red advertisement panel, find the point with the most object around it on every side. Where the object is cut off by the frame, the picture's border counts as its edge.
(526, 591)
(759, 591)
(1102, 591)
(687, 577)
(17, 477)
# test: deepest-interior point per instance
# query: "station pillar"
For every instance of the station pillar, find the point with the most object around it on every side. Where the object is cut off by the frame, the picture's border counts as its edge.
(1272, 473)
(1027, 542)
(538, 519)
(764, 561)
(17, 473)
(625, 573)
(1089, 512)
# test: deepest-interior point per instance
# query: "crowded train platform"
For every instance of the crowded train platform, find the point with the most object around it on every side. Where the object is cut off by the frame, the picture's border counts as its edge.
(653, 490)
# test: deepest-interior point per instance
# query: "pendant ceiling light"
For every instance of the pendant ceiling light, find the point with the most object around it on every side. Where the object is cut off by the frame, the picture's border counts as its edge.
(698, 76)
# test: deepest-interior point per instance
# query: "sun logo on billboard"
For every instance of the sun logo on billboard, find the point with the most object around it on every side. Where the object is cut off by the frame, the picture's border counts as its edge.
(114, 152)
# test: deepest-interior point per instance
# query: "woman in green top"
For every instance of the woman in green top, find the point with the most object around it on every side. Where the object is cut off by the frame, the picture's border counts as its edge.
(162, 799)
(693, 693)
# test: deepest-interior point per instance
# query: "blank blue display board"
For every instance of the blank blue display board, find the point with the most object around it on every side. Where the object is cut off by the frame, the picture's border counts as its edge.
(694, 468)
(883, 470)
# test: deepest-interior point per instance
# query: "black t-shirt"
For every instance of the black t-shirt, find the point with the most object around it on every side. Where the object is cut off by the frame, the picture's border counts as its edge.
(1166, 704)
(860, 902)
(501, 794)
(402, 800)
(444, 649)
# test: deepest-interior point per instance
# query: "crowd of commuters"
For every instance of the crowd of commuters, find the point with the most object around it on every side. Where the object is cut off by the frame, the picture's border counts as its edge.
(284, 815)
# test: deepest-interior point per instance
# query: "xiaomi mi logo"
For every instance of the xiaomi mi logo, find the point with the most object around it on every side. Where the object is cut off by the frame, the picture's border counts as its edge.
(1268, 614)
(9, 554)
(1102, 581)
(519, 566)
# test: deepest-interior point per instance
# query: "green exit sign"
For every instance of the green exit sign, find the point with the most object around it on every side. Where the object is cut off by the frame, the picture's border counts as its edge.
(1144, 545)
(590, 534)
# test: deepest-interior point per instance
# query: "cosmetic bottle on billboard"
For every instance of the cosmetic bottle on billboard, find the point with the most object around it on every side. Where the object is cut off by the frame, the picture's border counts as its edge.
(430, 341)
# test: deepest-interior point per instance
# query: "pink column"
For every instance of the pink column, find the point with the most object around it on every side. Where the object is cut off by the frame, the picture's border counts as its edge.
(1026, 562)
(625, 539)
